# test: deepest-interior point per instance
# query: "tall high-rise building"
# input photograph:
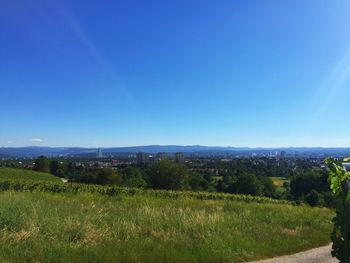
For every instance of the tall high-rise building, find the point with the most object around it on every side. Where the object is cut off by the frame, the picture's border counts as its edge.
(99, 153)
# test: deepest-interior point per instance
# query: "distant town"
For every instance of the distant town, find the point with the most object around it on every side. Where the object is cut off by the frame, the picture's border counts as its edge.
(193, 151)
(200, 162)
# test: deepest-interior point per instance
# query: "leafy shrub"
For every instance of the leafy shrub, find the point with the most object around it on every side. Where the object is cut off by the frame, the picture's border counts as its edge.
(132, 177)
(168, 175)
(339, 180)
(245, 184)
(313, 198)
(42, 164)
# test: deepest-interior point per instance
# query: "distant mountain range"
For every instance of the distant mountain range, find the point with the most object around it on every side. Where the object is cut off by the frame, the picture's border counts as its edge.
(34, 151)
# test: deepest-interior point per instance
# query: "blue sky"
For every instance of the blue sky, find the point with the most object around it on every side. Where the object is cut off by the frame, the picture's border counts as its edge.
(120, 73)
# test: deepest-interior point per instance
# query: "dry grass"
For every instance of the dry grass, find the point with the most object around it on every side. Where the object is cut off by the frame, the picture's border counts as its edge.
(42, 227)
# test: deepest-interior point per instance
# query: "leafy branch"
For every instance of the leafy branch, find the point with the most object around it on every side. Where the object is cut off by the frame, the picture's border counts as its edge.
(339, 179)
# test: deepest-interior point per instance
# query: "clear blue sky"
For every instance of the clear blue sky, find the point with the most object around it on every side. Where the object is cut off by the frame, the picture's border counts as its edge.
(119, 73)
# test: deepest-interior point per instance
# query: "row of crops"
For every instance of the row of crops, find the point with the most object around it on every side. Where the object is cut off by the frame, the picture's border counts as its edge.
(75, 188)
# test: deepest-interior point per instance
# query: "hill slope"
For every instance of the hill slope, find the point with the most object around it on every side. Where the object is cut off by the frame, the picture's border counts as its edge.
(28, 175)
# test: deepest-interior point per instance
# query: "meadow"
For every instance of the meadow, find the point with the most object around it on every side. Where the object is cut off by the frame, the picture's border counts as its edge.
(27, 175)
(48, 224)
(279, 181)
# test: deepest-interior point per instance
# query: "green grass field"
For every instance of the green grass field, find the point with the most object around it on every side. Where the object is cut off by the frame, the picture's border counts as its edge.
(279, 181)
(84, 227)
(27, 175)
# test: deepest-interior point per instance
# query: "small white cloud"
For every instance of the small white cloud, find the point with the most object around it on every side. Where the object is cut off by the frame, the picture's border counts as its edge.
(36, 140)
(9, 142)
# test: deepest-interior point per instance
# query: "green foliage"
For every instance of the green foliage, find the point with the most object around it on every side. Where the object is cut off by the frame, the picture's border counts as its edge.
(168, 175)
(132, 177)
(198, 183)
(91, 175)
(267, 187)
(54, 167)
(286, 185)
(42, 164)
(339, 181)
(313, 198)
(328, 199)
(308, 181)
(241, 176)
(220, 186)
(113, 190)
(337, 175)
(57, 169)
(108, 176)
(245, 183)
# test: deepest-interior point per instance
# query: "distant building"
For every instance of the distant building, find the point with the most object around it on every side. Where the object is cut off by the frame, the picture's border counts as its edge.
(99, 153)
(142, 158)
(179, 158)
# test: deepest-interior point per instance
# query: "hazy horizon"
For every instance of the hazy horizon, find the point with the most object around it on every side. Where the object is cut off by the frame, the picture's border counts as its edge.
(179, 145)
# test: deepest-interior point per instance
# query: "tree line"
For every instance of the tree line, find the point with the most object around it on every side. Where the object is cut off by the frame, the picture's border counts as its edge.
(307, 183)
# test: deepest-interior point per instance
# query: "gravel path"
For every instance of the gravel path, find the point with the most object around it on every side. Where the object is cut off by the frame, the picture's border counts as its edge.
(316, 255)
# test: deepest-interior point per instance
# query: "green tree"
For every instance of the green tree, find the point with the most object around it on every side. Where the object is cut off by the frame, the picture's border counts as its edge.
(220, 186)
(267, 187)
(198, 182)
(313, 198)
(168, 175)
(108, 176)
(328, 199)
(70, 168)
(132, 177)
(56, 168)
(245, 183)
(42, 164)
(307, 181)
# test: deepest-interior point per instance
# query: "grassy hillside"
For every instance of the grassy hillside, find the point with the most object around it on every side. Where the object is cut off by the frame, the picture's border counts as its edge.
(27, 175)
(85, 227)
